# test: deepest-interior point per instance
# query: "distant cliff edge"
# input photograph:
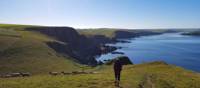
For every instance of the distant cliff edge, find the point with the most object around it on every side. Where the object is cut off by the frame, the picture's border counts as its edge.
(82, 46)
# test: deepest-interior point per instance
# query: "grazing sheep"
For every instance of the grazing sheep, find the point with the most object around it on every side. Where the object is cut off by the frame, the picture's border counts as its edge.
(88, 72)
(15, 74)
(79, 72)
(65, 73)
(75, 72)
(6, 76)
(54, 73)
(1, 76)
(82, 72)
(93, 72)
(27, 74)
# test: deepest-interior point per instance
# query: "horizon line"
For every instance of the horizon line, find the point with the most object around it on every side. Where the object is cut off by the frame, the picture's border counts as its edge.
(164, 28)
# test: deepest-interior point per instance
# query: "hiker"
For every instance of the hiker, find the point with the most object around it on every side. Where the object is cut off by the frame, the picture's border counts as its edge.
(117, 70)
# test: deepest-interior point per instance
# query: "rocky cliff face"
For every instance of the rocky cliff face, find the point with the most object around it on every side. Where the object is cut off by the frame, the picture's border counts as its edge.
(123, 59)
(122, 34)
(81, 48)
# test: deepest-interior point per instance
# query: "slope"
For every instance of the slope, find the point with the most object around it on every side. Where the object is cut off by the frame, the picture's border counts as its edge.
(147, 75)
(25, 51)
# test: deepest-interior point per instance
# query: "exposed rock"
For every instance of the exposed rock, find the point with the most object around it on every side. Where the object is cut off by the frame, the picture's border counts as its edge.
(123, 59)
(82, 47)
(115, 52)
(124, 34)
(78, 46)
(193, 33)
(106, 49)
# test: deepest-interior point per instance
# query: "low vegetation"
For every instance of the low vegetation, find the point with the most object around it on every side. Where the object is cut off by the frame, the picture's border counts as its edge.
(147, 75)
(114, 33)
(110, 33)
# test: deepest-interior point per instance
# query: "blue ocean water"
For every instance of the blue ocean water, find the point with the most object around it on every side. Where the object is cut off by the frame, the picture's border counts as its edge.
(172, 48)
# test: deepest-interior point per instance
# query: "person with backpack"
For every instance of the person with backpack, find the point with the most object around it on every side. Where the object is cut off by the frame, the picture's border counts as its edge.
(117, 70)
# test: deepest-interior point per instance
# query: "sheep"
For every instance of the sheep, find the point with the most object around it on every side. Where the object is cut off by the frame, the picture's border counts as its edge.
(75, 72)
(82, 72)
(65, 73)
(54, 73)
(26, 74)
(93, 72)
(6, 76)
(79, 72)
(15, 74)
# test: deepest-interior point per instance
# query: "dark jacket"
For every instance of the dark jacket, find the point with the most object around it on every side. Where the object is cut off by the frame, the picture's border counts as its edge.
(117, 65)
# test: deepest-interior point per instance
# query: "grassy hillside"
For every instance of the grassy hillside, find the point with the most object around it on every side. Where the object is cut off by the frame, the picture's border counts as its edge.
(110, 33)
(113, 33)
(15, 26)
(25, 51)
(149, 75)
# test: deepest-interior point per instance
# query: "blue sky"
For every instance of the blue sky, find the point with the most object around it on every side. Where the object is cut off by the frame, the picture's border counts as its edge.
(103, 13)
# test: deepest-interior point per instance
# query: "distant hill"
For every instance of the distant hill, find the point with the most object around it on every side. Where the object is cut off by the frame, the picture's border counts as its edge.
(114, 34)
(193, 33)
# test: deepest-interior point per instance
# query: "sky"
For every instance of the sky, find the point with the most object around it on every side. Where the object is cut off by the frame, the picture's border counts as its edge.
(132, 14)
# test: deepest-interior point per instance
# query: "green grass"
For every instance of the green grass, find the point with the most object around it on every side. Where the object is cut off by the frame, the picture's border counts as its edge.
(110, 33)
(26, 51)
(15, 26)
(160, 75)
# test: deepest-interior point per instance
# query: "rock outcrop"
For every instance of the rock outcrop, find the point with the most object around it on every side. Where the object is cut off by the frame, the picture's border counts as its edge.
(193, 33)
(123, 59)
(80, 47)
